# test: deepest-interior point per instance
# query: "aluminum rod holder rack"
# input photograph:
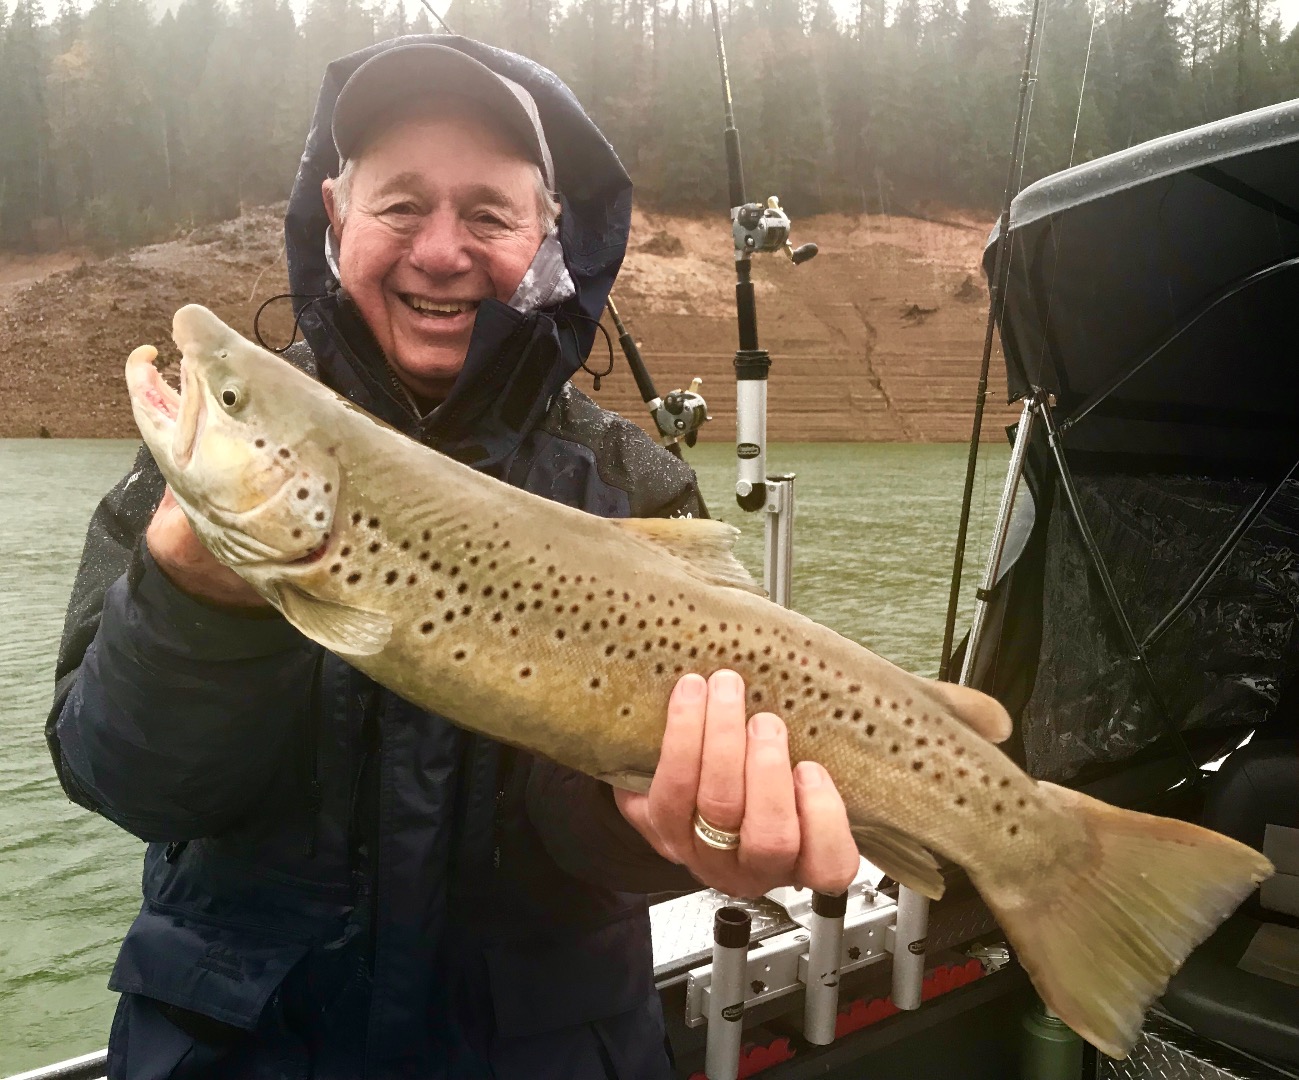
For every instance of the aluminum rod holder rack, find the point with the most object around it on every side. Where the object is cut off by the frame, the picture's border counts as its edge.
(907, 944)
(821, 972)
(731, 929)
(778, 966)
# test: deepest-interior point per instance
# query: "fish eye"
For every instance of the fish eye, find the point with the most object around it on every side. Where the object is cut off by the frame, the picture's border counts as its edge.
(230, 397)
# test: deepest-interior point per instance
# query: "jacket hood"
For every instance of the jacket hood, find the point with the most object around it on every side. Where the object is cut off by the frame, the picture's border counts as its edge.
(595, 194)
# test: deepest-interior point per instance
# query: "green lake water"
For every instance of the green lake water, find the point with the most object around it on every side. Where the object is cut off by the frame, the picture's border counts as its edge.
(873, 547)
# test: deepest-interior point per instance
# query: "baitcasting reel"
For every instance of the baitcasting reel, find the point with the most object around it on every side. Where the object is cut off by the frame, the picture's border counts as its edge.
(680, 414)
(757, 229)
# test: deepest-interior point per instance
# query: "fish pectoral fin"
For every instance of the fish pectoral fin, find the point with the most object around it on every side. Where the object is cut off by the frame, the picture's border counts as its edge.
(901, 857)
(347, 631)
(976, 710)
(628, 780)
(703, 544)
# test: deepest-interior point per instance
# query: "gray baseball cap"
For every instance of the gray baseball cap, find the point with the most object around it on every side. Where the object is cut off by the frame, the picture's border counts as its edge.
(410, 72)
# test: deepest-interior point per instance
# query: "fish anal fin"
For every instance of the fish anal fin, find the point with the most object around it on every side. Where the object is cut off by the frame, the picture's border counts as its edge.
(901, 857)
(347, 631)
(703, 544)
(628, 780)
(976, 710)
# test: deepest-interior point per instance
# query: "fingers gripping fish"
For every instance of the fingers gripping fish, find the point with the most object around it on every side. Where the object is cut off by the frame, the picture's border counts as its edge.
(564, 633)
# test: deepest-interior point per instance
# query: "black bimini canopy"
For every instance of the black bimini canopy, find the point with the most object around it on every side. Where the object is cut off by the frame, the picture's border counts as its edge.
(1155, 293)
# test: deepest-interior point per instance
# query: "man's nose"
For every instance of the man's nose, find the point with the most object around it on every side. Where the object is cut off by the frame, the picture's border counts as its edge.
(440, 248)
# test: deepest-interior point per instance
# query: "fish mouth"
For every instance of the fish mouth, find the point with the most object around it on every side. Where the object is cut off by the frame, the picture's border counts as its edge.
(162, 411)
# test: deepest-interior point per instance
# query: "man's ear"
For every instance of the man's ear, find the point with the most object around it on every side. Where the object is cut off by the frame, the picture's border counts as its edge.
(331, 208)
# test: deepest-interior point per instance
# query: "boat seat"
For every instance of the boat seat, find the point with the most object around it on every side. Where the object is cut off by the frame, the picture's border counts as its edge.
(1241, 987)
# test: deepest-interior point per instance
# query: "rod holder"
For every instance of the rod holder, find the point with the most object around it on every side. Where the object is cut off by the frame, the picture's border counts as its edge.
(731, 929)
(909, 934)
(824, 955)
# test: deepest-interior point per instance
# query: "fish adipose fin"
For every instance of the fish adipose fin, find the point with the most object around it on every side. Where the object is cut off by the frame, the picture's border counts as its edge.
(901, 857)
(976, 710)
(344, 630)
(703, 544)
(1100, 935)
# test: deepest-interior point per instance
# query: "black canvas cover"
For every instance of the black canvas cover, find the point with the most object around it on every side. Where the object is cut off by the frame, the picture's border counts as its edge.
(1184, 237)
(1155, 295)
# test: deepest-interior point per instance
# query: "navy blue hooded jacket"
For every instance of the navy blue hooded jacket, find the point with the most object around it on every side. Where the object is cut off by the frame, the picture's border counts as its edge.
(337, 884)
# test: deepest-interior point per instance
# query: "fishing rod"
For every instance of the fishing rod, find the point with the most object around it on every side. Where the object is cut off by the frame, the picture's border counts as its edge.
(432, 11)
(996, 302)
(677, 415)
(755, 229)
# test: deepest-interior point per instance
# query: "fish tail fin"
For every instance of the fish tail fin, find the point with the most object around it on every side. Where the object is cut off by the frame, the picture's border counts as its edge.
(1101, 935)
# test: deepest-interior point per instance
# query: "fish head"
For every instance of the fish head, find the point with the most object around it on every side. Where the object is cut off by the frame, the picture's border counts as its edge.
(253, 470)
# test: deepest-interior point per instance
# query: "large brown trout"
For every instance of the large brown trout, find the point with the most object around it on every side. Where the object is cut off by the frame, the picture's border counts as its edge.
(564, 633)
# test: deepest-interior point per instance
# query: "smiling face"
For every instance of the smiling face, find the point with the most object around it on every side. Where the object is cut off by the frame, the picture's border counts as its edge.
(442, 213)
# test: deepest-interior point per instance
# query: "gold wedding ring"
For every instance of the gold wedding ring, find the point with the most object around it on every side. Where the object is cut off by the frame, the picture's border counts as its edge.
(718, 839)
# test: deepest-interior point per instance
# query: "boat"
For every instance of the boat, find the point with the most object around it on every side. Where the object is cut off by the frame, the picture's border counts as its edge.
(1139, 617)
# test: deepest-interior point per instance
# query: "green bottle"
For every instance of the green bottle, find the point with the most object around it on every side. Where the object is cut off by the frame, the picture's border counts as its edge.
(1049, 1048)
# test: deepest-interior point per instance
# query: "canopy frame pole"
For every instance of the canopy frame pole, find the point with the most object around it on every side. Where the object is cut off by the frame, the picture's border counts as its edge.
(1220, 556)
(1014, 472)
(1136, 654)
(1254, 277)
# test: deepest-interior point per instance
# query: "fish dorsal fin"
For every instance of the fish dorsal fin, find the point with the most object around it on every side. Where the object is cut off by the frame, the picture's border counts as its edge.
(901, 857)
(703, 544)
(344, 630)
(976, 710)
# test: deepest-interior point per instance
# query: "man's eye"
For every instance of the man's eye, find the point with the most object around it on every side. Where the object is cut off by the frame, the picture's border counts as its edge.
(401, 209)
(486, 217)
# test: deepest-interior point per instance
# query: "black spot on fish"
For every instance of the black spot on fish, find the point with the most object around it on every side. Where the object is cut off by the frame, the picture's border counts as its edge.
(453, 571)
(390, 576)
(426, 628)
(895, 748)
(329, 488)
(812, 731)
(625, 711)
(595, 683)
(462, 588)
(487, 590)
(283, 451)
(259, 443)
(559, 635)
(1013, 830)
(441, 594)
(525, 673)
(297, 534)
(450, 616)
(336, 568)
(346, 551)
(960, 800)
(353, 578)
(789, 704)
(374, 546)
(497, 616)
(373, 523)
(426, 536)
(916, 766)
(459, 654)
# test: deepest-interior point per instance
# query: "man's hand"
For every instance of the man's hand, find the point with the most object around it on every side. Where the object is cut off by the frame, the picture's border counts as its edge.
(792, 823)
(189, 565)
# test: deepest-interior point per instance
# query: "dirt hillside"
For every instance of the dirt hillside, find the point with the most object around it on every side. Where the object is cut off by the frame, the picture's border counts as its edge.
(877, 338)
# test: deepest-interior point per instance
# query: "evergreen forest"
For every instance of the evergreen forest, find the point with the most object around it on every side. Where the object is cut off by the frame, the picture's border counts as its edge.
(119, 127)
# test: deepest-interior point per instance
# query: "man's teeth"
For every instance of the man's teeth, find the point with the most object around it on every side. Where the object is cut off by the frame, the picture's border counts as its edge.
(441, 309)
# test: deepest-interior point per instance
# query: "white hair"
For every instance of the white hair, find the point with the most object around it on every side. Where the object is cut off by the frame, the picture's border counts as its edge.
(547, 203)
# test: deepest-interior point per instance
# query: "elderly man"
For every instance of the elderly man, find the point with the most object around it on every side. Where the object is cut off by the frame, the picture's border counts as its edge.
(337, 884)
